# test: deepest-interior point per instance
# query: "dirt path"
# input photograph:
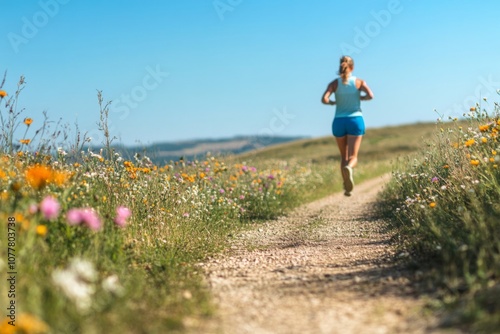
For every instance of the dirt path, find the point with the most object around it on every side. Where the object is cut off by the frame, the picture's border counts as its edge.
(325, 268)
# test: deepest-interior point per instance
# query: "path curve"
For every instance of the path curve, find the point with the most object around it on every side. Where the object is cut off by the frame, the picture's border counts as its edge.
(327, 267)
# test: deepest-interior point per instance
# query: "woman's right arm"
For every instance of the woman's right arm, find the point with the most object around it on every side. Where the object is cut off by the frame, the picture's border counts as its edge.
(332, 87)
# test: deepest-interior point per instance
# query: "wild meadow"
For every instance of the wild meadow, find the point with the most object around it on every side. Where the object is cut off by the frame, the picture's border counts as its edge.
(92, 241)
(445, 210)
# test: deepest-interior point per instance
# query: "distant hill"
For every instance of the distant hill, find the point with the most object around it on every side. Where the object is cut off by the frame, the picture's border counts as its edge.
(161, 153)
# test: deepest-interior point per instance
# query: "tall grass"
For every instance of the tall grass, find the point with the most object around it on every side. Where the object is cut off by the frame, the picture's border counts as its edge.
(445, 208)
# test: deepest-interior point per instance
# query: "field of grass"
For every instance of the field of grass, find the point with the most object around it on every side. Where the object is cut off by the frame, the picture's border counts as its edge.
(96, 241)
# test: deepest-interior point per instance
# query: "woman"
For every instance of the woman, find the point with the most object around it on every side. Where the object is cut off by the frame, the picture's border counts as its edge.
(348, 126)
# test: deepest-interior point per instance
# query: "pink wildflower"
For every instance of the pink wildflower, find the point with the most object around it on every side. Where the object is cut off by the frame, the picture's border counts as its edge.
(87, 216)
(50, 208)
(122, 214)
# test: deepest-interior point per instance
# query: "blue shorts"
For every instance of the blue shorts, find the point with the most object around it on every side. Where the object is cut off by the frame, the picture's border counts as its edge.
(343, 126)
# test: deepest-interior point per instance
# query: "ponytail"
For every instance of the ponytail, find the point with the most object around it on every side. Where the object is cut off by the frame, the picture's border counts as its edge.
(346, 63)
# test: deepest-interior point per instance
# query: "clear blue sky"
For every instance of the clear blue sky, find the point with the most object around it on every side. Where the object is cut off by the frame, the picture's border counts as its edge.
(189, 69)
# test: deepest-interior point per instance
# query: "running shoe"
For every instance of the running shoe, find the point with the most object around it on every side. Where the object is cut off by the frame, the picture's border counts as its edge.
(348, 180)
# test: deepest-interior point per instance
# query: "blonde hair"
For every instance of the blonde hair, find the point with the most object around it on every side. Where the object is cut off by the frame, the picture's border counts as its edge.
(346, 62)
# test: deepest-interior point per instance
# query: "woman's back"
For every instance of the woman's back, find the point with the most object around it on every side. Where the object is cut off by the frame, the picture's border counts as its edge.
(347, 96)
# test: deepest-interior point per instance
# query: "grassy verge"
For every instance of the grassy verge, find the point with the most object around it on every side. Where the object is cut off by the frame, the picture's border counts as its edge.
(444, 207)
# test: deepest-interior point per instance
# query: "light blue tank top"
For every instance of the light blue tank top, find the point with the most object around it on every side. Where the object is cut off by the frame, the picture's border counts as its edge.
(348, 100)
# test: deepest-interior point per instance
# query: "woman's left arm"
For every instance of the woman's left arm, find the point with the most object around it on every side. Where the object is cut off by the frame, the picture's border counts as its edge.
(368, 92)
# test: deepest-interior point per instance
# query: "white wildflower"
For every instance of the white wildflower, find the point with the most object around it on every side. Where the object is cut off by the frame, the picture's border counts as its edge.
(77, 282)
(112, 284)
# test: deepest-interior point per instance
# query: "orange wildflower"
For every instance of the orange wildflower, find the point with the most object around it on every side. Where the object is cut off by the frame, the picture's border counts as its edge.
(484, 128)
(432, 204)
(3, 94)
(474, 162)
(25, 141)
(470, 142)
(38, 176)
(28, 121)
(60, 178)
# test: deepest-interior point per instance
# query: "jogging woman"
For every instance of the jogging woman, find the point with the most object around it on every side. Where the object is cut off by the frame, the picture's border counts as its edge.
(348, 126)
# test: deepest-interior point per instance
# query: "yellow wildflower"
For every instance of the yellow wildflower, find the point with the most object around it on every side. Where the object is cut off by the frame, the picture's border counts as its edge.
(3, 94)
(28, 121)
(474, 162)
(484, 140)
(432, 204)
(25, 141)
(41, 230)
(472, 108)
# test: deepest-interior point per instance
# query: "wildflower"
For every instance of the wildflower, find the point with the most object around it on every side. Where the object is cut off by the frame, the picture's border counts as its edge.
(434, 179)
(112, 285)
(25, 141)
(76, 281)
(61, 151)
(472, 108)
(474, 162)
(87, 216)
(38, 176)
(470, 142)
(28, 121)
(50, 207)
(484, 140)
(222, 191)
(185, 215)
(41, 230)
(3, 94)
(122, 214)
(484, 128)
(32, 209)
(26, 323)
(432, 204)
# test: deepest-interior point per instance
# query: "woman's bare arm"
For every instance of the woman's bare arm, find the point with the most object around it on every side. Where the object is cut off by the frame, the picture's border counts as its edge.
(332, 87)
(368, 92)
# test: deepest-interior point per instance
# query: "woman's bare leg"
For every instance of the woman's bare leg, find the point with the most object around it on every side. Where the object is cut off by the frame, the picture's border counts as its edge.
(349, 148)
(343, 148)
(353, 145)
